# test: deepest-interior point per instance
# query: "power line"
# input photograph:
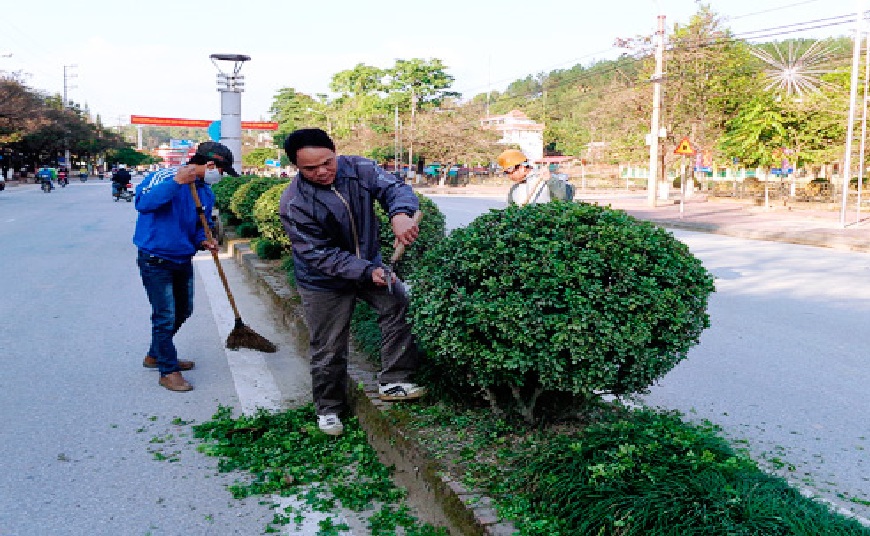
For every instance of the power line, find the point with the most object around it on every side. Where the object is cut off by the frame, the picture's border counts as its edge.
(771, 10)
(702, 42)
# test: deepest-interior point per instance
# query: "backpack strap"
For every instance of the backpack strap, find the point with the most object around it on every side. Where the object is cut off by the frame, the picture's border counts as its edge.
(535, 191)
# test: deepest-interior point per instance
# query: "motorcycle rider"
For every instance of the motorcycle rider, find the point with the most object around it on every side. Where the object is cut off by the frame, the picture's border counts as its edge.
(120, 179)
(47, 175)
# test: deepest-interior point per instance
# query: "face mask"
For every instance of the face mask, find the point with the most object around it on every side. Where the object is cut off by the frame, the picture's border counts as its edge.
(212, 176)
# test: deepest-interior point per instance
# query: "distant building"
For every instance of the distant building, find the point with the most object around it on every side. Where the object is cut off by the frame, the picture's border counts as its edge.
(516, 128)
(174, 154)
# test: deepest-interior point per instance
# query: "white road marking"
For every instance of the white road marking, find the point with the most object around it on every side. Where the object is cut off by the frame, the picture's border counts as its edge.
(255, 384)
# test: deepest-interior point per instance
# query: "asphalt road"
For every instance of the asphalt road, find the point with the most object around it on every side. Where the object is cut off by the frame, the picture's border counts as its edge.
(83, 421)
(784, 367)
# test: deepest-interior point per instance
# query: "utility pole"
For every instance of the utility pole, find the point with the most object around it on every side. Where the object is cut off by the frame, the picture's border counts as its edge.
(652, 179)
(861, 152)
(853, 92)
(66, 87)
(66, 76)
(412, 172)
(396, 141)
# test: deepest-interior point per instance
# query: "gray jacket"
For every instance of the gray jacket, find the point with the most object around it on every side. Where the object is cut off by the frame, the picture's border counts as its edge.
(334, 229)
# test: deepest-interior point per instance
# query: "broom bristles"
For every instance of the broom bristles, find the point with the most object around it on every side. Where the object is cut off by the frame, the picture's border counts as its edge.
(244, 337)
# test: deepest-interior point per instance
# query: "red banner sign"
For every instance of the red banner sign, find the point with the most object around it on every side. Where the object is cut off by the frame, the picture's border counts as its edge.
(195, 123)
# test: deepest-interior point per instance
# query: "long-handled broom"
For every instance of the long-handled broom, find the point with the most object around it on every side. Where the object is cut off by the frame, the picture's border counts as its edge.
(241, 336)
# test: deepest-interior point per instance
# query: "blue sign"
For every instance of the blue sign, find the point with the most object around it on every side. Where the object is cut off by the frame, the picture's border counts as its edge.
(214, 131)
(273, 163)
(704, 169)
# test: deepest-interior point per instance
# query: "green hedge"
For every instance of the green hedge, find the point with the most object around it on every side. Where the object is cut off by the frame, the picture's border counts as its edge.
(243, 200)
(432, 231)
(266, 216)
(225, 189)
(558, 298)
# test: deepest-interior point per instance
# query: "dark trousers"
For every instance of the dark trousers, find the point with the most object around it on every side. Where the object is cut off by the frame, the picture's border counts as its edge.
(169, 286)
(328, 316)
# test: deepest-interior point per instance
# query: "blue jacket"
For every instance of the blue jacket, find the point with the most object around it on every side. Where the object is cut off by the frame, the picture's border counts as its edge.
(168, 225)
(330, 252)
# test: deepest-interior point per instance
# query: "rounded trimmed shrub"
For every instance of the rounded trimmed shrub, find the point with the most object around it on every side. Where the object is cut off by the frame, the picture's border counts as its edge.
(561, 298)
(246, 195)
(267, 249)
(225, 189)
(266, 216)
(432, 230)
(364, 324)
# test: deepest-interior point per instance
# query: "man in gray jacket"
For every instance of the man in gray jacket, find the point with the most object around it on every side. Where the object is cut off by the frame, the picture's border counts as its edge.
(328, 213)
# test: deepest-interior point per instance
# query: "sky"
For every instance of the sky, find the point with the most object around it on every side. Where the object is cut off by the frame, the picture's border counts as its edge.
(124, 58)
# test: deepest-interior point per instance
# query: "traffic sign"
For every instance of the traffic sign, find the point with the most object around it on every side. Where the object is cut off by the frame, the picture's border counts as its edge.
(685, 148)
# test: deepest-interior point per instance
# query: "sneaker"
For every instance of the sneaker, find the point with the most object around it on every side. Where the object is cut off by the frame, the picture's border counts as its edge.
(392, 392)
(330, 424)
(151, 362)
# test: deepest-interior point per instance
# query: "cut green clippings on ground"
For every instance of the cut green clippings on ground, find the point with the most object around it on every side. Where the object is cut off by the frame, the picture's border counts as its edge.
(284, 453)
(624, 472)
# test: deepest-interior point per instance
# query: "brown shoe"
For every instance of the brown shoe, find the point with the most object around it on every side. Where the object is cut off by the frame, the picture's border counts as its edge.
(174, 381)
(151, 362)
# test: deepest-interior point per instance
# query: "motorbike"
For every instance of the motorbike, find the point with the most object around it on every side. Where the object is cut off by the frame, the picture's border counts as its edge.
(62, 180)
(46, 186)
(122, 192)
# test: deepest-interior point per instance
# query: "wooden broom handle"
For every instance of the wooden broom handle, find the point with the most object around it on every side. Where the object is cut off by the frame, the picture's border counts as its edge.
(400, 248)
(214, 253)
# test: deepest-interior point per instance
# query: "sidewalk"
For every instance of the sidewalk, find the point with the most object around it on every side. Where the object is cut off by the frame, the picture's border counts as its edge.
(807, 226)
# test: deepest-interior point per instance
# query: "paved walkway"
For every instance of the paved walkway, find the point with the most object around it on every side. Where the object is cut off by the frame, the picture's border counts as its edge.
(813, 227)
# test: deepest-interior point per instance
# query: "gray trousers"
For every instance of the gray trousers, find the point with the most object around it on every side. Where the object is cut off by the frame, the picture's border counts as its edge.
(328, 315)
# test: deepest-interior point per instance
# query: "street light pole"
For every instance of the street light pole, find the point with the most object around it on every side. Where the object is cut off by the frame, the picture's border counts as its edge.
(853, 97)
(66, 86)
(231, 86)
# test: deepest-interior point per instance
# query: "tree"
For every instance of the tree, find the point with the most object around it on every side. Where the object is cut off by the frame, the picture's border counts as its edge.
(455, 136)
(256, 158)
(418, 82)
(130, 157)
(710, 78)
(756, 132)
(361, 80)
(293, 110)
(18, 107)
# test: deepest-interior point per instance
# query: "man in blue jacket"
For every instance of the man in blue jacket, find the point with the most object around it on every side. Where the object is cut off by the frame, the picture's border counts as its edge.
(168, 233)
(328, 213)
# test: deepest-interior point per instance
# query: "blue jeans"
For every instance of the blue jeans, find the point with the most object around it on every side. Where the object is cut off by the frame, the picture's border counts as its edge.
(169, 286)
